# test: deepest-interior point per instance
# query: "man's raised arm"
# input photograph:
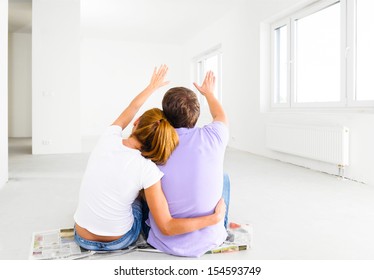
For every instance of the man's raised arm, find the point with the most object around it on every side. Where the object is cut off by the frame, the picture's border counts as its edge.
(207, 89)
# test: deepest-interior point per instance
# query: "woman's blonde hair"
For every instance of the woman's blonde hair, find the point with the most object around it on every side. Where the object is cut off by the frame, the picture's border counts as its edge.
(156, 135)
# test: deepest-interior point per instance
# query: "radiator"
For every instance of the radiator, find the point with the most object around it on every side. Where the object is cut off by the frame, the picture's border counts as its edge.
(323, 143)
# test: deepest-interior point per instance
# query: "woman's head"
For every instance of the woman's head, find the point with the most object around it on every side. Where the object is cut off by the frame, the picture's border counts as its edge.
(156, 135)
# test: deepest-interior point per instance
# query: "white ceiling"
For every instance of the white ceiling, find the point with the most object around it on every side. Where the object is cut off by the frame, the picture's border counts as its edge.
(170, 21)
(162, 21)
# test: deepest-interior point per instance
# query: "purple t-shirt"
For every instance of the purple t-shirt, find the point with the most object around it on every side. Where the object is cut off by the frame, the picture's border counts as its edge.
(192, 184)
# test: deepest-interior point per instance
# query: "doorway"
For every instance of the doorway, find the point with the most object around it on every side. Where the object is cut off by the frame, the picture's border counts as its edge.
(19, 75)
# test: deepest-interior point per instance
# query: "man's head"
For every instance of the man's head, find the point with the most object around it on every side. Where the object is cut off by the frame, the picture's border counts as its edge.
(181, 107)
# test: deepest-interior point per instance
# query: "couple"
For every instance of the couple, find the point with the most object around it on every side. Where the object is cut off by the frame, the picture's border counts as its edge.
(188, 214)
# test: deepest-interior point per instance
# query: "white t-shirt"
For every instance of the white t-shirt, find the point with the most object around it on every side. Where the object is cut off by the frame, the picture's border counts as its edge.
(113, 178)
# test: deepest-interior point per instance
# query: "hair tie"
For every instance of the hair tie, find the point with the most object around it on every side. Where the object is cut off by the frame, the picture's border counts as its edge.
(159, 121)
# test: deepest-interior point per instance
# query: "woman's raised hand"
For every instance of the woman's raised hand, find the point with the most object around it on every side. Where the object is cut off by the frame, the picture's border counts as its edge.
(158, 77)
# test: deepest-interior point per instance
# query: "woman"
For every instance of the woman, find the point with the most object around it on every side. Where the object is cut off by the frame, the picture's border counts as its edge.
(109, 213)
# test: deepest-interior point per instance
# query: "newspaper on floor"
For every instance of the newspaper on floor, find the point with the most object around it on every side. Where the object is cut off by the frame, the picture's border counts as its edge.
(59, 244)
(239, 238)
(55, 244)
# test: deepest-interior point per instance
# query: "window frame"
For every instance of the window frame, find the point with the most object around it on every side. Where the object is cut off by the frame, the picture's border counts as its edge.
(347, 58)
(351, 53)
(275, 26)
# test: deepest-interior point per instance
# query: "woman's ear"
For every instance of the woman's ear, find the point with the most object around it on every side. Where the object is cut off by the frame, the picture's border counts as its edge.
(136, 122)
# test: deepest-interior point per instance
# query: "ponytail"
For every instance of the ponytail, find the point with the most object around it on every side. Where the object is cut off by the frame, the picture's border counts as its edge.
(157, 136)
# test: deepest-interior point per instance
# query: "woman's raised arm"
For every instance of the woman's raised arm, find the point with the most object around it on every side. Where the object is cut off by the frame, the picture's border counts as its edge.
(157, 81)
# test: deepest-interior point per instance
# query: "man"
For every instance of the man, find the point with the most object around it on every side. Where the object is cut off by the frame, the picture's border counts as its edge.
(193, 174)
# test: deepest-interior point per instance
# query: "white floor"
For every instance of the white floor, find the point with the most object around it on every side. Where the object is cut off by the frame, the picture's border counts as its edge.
(296, 213)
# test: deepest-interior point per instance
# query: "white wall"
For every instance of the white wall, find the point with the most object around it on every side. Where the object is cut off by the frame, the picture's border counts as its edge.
(3, 92)
(115, 71)
(239, 34)
(19, 78)
(56, 76)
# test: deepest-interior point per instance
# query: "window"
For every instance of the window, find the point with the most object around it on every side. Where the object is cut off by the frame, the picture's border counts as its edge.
(321, 56)
(317, 56)
(210, 61)
(364, 50)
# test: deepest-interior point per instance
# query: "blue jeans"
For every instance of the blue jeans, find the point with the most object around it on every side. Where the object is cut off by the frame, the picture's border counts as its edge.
(125, 241)
(225, 195)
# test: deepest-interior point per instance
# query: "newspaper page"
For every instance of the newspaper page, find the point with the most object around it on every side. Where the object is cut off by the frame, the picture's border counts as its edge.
(59, 244)
(56, 244)
(239, 238)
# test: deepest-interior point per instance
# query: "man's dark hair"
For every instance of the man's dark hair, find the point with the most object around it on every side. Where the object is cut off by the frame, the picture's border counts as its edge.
(181, 107)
